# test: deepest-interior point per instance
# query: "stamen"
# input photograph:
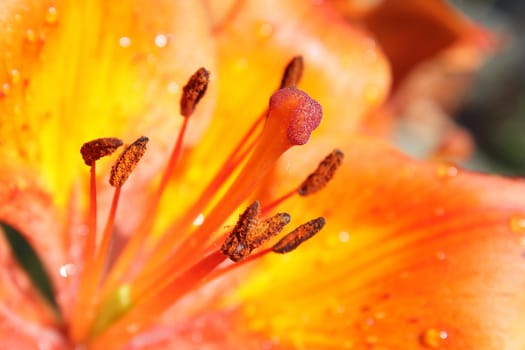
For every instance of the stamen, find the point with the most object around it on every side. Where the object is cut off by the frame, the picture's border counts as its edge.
(322, 175)
(249, 234)
(94, 150)
(292, 116)
(236, 245)
(314, 182)
(268, 228)
(193, 91)
(91, 152)
(304, 232)
(127, 162)
(293, 72)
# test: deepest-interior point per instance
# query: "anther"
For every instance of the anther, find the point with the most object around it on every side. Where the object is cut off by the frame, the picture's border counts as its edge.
(193, 91)
(293, 72)
(304, 232)
(267, 229)
(322, 175)
(127, 162)
(302, 114)
(94, 150)
(235, 246)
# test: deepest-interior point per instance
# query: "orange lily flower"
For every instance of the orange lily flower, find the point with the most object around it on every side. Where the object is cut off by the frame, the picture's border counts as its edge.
(183, 248)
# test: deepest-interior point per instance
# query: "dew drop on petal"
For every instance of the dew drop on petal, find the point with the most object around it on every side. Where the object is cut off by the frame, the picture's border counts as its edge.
(199, 220)
(348, 344)
(517, 226)
(124, 41)
(264, 30)
(30, 35)
(51, 15)
(132, 328)
(517, 223)
(445, 170)
(161, 40)
(371, 93)
(67, 270)
(15, 76)
(433, 338)
(173, 87)
(344, 236)
(441, 256)
(6, 88)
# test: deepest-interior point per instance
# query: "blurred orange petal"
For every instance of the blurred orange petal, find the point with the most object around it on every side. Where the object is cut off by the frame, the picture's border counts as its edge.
(413, 256)
(257, 38)
(411, 31)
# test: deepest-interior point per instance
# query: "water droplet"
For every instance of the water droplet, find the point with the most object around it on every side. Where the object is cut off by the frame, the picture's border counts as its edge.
(67, 270)
(441, 256)
(30, 35)
(517, 223)
(348, 344)
(132, 328)
(344, 236)
(15, 76)
(199, 220)
(433, 338)
(6, 87)
(264, 30)
(51, 15)
(240, 64)
(173, 87)
(439, 211)
(124, 41)
(371, 93)
(161, 40)
(446, 170)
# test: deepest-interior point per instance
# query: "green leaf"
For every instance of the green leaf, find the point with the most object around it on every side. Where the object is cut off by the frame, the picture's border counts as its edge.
(31, 263)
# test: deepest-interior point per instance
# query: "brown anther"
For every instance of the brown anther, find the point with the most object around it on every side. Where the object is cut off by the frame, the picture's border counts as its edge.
(193, 91)
(323, 174)
(267, 229)
(127, 161)
(298, 236)
(235, 246)
(293, 72)
(94, 150)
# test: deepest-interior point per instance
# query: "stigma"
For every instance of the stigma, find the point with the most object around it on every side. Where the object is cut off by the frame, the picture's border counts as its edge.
(151, 274)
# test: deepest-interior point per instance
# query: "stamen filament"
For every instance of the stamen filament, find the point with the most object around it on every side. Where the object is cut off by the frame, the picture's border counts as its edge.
(292, 116)
(169, 240)
(86, 304)
(91, 239)
(147, 307)
(136, 241)
(270, 207)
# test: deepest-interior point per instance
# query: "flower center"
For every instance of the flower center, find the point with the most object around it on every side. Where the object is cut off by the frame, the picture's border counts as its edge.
(150, 274)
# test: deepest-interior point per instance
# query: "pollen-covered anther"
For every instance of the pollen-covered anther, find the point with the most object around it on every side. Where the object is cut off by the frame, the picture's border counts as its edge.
(94, 150)
(302, 233)
(299, 113)
(235, 246)
(127, 162)
(322, 175)
(193, 91)
(266, 229)
(293, 72)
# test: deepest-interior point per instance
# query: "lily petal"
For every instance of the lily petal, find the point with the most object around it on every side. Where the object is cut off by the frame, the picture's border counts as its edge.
(412, 31)
(259, 38)
(413, 256)
(73, 72)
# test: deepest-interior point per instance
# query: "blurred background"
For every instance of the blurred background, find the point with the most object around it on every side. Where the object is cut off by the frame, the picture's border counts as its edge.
(494, 110)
